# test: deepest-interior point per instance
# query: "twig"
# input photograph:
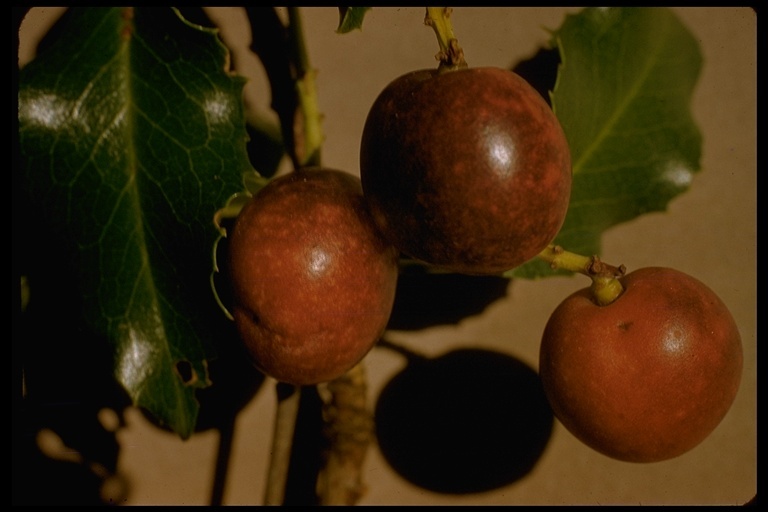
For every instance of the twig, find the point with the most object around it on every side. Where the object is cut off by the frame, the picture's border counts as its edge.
(288, 398)
(348, 432)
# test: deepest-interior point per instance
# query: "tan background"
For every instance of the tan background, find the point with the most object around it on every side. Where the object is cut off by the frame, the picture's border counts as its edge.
(709, 232)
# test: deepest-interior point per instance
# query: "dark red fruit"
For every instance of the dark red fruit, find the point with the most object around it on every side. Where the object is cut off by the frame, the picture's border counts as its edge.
(313, 280)
(647, 377)
(468, 169)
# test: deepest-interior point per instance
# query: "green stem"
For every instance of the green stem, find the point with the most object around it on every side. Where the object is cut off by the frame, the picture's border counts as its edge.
(307, 127)
(606, 286)
(451, 55)
(296, 36)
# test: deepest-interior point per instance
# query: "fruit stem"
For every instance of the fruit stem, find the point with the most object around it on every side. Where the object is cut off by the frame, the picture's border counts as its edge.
(451, 55)
(288, 398)
(606, 285)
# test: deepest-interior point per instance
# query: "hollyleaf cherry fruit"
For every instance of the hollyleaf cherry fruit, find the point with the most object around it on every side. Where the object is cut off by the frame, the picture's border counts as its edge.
(467, 169)
(313, 280)
(648, 376)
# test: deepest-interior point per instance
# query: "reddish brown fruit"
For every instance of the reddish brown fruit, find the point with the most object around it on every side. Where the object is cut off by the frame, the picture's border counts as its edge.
(313, 280)
(468, 170)
(647, 377)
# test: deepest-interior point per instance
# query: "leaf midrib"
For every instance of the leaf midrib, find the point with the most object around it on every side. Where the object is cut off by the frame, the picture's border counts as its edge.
(634, 93)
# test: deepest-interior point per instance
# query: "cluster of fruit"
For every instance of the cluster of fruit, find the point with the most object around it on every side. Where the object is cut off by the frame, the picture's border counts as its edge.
(468, 170)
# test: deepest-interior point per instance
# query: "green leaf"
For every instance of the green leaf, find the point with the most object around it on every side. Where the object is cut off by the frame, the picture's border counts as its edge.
(623, 98)
(132, 135)
(351, 18)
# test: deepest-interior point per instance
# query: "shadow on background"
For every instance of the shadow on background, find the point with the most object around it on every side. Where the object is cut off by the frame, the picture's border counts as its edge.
(424, 299)
(540, 71)
(63, 454)
(62, 380)
(234, 382)
(468, 421)
(306, 451)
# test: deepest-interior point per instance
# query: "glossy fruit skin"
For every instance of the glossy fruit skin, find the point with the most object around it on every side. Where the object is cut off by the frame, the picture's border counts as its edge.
(313, 280)
(647, 377)
(468, 170)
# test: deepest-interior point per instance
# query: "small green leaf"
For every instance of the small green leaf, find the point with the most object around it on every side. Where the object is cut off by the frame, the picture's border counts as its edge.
(133, 135)
(351, 18)
(623, 97)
